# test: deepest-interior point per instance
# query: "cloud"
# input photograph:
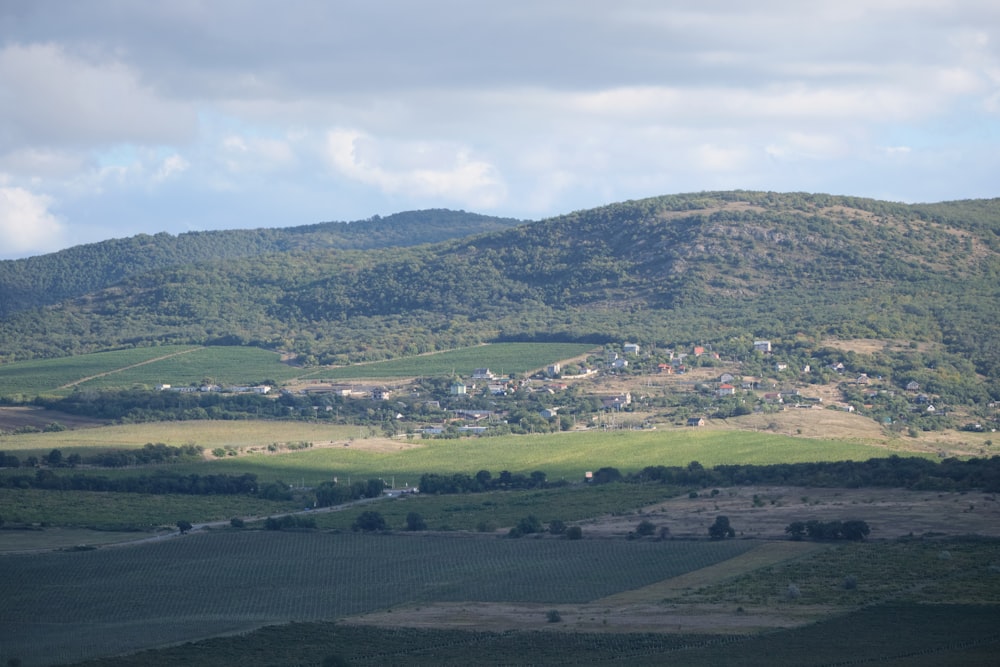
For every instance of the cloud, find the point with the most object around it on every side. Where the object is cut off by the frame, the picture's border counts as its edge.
(49, 98)
(26, 225)
(415, 168)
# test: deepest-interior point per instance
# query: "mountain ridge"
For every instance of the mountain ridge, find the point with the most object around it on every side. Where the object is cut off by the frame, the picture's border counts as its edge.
(709, 266)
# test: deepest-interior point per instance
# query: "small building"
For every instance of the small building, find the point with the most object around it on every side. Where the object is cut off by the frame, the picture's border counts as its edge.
(616, 402)
(725, 390)
(696, 421)
(482, 374)
(553, 370)
(381, 393)
(458, 388)
(912, 385)
(762, 346)
(550, 413)
(631, 348)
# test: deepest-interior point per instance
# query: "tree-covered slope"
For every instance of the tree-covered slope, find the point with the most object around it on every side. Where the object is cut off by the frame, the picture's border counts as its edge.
(48, 279)
(701, 267)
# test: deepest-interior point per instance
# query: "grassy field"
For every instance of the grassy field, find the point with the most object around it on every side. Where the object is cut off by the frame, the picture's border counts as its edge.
(501, 358)
(180, 365)
(123, 511)
(45, 376)
(560, 455)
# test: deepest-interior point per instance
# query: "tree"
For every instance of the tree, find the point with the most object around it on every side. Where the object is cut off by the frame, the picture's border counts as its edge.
(645, 528)
(415, 522)
(557, 527)
(796, 530)
(369, 521)
(54, 458)
(184, 526)
(721, 528)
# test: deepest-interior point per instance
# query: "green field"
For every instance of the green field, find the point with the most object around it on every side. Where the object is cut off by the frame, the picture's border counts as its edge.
(184, 365)
(501, 358)
(560, 455)
(45, 376)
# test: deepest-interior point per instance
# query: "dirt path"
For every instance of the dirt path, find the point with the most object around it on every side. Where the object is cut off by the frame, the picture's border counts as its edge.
(125, 368)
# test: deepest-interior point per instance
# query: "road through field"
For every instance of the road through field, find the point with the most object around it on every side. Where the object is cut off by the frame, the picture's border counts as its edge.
(125, 368)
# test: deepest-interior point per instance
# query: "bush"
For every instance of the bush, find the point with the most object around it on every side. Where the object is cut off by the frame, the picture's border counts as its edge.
(557, 527)
(553, 616)
(850, 583)
(415, 522)
(645, 528)
(793, 592)
(721, 528)
(574, 533)
(369, 521)
(236, 522)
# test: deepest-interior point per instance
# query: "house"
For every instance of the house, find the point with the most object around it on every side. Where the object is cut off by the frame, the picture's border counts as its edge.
(616, 402)
(550, 413)
(631, 348)
(497, 389)
(698, 350)
(862, 379)
(726, 377)
(912, 386)
(781, 366)
(482, 374)
(162, 387)
(696, 421)
(665, 368)
(619, 363)
(458, 388)
(774, 397)
(553, 369)
(381, 393)
(725, 390)
(762, 346)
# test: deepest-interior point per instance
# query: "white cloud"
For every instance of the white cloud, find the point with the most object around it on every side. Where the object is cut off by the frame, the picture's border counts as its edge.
(415, 169)
(50, 98)
(26, 225)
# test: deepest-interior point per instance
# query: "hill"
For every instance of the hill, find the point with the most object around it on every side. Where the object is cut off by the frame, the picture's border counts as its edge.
(719, 268)
(48, 279)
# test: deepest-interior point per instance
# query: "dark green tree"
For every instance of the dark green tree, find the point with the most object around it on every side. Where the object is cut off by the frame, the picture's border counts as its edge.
(184, 526)
(415, 522)
(369, 521)
(721, 528)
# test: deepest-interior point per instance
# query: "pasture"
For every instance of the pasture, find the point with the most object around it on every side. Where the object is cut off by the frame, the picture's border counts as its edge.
(347, 451)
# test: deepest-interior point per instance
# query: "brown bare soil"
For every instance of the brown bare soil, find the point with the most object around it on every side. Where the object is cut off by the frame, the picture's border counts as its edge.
(889, 512)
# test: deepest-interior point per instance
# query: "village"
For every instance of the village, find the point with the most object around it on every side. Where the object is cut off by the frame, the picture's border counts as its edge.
(621, 387)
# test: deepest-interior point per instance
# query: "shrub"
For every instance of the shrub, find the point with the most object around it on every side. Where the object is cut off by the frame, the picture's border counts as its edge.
(415, 522)
(574, 533)
(236, 522)
(369, 521)
(793, 592)
(553, 616)
(557, 527)
(645, 528)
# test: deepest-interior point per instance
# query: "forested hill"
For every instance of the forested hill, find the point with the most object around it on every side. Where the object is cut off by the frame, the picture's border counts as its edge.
(48, 279)
(710, 267)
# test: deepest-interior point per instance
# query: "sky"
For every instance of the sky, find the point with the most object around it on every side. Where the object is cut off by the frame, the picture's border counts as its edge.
(120, 117)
